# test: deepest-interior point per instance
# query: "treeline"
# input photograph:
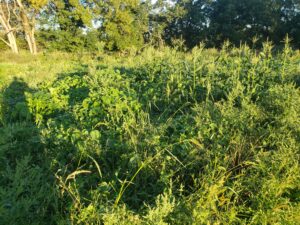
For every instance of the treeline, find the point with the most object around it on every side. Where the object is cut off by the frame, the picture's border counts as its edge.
(121, 25)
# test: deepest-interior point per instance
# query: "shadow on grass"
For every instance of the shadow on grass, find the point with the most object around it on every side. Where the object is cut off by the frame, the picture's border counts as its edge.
(27, 193)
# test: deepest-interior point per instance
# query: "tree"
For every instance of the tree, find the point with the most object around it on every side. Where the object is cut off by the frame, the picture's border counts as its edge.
(65, 25)
(161, 17)
(215, 21)
(28, 11)
(124, 23)
(28, 26)
(6, 17)
(189, 21)
(23, 13)
(241, 20)
(290, 21)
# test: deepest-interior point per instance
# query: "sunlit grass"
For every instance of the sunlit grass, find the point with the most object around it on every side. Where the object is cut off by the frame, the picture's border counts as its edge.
(160, 137)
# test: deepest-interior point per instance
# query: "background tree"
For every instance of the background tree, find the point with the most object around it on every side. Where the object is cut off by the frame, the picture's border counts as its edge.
(27, 13)
(68, 27)
(233, 20)
(241, 20)
(73, 25)
(7, 26)
(189, 21)
(159, 19)
(124, 23)
(290, 21)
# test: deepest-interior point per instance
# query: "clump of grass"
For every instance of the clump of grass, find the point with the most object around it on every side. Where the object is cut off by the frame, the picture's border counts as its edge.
(164, 137)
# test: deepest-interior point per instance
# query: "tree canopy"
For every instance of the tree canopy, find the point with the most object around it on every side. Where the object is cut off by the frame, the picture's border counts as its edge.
(120, 25)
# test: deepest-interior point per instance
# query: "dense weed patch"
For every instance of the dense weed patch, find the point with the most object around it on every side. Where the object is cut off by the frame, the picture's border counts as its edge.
(170, 138)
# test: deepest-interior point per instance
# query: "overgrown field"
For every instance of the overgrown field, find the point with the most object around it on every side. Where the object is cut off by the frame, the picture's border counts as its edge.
(164, 137)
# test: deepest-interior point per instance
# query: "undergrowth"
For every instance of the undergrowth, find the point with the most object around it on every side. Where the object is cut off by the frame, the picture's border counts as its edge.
(165, 137)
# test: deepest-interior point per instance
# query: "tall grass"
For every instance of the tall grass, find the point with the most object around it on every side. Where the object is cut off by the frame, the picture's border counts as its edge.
(164, 137)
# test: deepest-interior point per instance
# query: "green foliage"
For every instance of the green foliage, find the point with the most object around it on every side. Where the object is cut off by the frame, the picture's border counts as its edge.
(124, 24)
(166, 137)
(238, 21)
(66, 41)
(66, 26)
(28, 197)
(131, 25)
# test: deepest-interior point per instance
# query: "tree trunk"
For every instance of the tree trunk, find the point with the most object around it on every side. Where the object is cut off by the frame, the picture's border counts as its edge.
(29, 33)
(12, 42)
(29, 28)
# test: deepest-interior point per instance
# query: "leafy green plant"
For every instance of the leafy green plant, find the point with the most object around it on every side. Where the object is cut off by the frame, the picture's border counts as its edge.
(164, 137)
